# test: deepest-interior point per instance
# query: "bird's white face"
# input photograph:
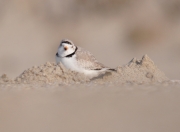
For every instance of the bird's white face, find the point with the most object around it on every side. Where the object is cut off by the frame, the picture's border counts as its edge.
(66, 47)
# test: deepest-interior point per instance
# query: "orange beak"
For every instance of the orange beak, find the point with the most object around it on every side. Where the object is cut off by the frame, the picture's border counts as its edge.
(65, 47)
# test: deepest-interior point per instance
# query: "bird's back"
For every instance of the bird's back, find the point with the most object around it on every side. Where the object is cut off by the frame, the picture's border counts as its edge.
(87, 60)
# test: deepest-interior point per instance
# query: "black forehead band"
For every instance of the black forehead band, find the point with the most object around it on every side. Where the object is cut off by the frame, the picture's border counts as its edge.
(67, 42)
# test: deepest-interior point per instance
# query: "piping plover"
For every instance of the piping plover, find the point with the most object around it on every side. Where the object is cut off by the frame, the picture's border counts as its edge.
(79, 60)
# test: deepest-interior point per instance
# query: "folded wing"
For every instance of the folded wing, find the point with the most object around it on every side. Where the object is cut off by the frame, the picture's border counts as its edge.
(87, 60)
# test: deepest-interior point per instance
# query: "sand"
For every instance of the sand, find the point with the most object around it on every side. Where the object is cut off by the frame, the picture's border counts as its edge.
(50, 98)
(79, 108)
(136, 71)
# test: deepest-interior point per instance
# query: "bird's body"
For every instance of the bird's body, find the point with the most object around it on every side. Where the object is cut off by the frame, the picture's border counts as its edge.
(79, 60)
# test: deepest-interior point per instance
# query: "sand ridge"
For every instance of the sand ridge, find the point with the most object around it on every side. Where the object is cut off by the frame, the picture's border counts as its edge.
(136, 71)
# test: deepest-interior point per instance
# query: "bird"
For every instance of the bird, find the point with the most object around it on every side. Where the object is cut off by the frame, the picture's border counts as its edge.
(80, 60)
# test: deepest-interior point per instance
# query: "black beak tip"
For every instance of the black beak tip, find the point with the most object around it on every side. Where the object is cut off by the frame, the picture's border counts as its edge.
(57, 54)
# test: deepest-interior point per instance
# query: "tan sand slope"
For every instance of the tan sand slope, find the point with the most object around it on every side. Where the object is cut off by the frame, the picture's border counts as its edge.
(90, 109)
(111, 103)
(138, 71)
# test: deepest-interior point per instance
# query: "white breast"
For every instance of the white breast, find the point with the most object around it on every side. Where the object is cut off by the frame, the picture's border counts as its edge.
(71, 63)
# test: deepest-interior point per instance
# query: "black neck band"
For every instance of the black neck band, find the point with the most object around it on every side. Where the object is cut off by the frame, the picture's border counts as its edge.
(70, 55)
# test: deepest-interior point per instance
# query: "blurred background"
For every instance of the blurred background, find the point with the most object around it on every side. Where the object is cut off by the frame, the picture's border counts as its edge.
(115, 31)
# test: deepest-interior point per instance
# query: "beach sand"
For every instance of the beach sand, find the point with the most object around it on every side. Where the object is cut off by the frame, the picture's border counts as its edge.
(49, 98)
(136, 71)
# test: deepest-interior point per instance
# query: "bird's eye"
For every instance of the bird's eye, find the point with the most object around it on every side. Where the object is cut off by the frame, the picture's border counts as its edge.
(65, 48)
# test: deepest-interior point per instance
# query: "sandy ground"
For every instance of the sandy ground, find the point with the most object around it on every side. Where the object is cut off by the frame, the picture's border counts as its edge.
(136, 71)
(50, 98)
(87, 108)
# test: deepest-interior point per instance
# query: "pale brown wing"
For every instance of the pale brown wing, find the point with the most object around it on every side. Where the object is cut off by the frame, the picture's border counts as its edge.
(87, 60)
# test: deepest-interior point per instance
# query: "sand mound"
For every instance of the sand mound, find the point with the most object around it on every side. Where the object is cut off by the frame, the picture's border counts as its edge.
(142, 70)
(50, 73)
(136, 71)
